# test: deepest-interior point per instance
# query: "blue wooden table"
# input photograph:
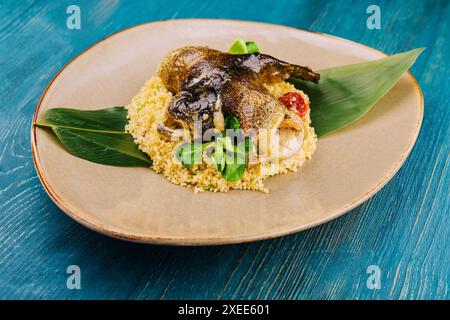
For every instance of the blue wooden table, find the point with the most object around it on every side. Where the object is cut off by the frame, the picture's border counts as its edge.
(403, 231)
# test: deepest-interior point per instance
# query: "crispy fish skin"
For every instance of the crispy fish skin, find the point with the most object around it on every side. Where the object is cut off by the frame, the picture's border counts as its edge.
(200, 77)
(253, 105)
(184, 63)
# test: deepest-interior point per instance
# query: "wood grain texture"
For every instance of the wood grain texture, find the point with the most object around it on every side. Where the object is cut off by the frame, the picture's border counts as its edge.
(404, 228)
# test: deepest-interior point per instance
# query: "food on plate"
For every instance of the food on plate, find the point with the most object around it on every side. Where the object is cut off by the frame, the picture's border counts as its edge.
(218, 121)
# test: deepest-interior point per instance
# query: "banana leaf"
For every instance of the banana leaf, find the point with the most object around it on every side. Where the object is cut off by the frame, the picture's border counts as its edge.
(344, 94)
(98, 136)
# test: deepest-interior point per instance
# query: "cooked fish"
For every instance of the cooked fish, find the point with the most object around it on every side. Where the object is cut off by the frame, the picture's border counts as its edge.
(209, 84)
(193, 65)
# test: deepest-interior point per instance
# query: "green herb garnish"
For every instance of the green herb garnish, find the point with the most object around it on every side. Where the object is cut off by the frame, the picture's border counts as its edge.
(252, 47)
(231, 122)
(189, 154)
(229, 158)
(240, 46)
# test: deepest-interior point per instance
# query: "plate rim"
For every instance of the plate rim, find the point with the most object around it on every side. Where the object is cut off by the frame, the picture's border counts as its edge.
(220, 240)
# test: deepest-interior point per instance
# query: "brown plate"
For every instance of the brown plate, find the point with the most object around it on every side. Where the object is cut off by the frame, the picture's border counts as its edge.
(137, 204)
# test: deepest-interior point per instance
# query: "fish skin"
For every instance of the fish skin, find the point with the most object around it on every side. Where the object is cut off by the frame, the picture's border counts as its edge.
(252, 105)
(199, 75)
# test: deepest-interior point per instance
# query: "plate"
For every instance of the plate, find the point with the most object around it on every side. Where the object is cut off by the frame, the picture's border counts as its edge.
(139, 205)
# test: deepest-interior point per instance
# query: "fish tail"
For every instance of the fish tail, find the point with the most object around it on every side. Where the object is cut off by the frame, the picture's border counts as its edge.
(304, 73)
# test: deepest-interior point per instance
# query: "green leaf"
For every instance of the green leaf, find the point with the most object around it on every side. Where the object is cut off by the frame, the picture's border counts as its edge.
(231, 122)
(249, 146)
(344, 94)
(218, 159)
(231, 159)
(104, 148)
(234, 172)
(218, 156)
(236, 164)
(189, 154)
(98, 136)
(240, 46)
(109, 119)
(252, 47)
(228, 144)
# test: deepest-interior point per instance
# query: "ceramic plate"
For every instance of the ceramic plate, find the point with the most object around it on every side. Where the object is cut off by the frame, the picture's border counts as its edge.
(137, 204)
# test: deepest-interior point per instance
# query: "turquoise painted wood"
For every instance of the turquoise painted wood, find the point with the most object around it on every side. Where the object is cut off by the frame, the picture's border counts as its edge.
(404, 229)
